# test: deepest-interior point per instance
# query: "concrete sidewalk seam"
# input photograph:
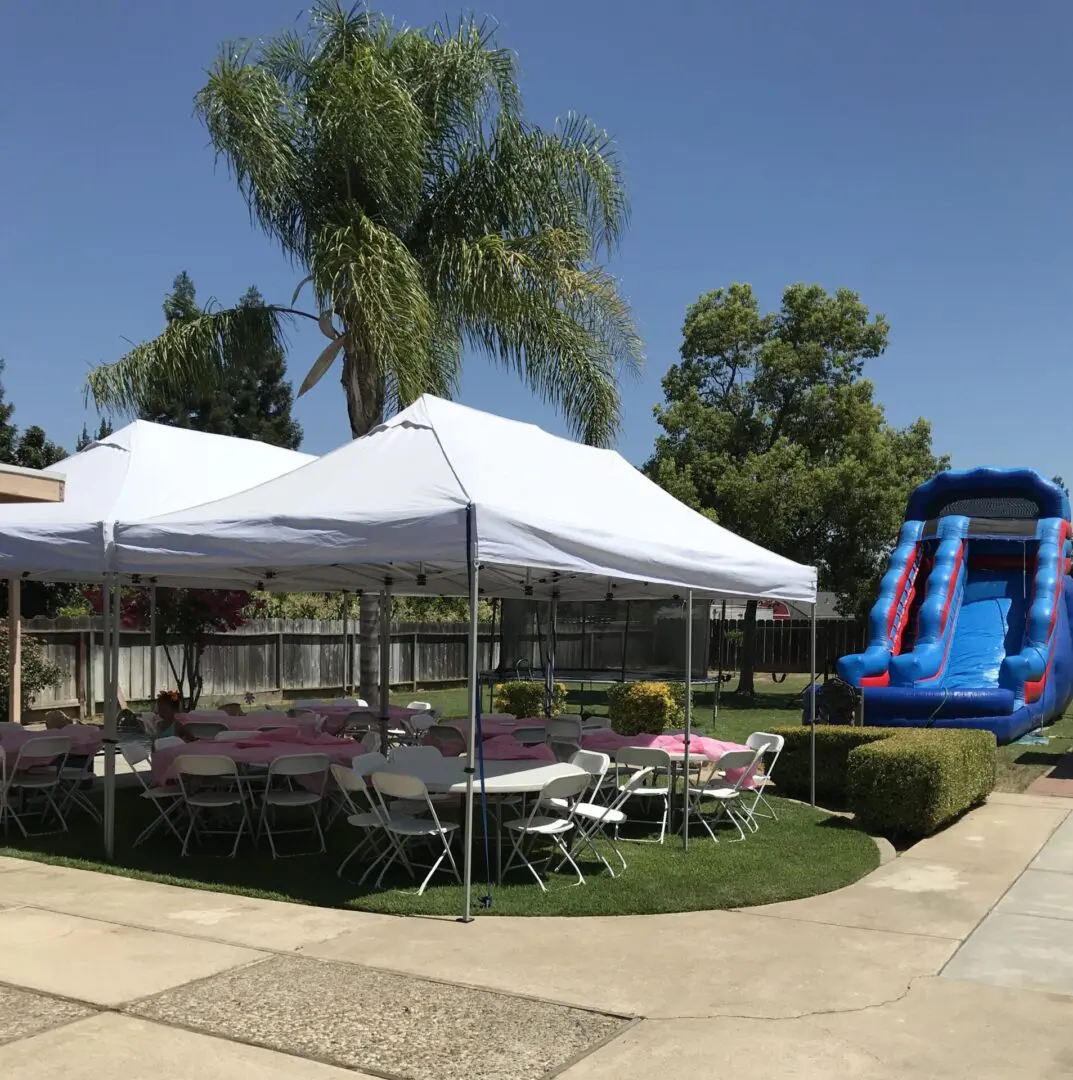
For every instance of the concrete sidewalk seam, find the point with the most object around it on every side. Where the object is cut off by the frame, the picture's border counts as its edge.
(578, 1058)
(843, 925)
(798, 1016)
(994, 906)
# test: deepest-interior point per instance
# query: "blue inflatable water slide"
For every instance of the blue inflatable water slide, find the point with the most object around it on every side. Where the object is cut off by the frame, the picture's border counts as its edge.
(972, 627)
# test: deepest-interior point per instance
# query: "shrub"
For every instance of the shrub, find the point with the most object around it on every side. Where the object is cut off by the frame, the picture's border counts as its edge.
(915, 783)
(902, 782)
(523, 697)
(678, 693)
(833, 746)
(641, 707)
(38, 671)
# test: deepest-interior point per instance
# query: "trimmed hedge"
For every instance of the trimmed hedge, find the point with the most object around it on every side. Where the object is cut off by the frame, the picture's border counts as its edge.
(834, 743)
(915, 783)
(901, 782)
(523, 697)
(638, 707)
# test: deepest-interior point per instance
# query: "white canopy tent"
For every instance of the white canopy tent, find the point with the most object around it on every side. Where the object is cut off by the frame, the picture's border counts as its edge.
(143, 468)
(447, 500)
(139, 471)
(440, 485)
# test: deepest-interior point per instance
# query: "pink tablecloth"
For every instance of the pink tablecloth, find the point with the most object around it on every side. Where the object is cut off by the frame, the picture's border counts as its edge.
(251, 722)
(494, 729)
(713, 749)
(85, 738)
(256, 750)
(507, 748)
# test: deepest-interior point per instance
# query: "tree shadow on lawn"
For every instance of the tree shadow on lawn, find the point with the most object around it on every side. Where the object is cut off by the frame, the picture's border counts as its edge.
(784, 860)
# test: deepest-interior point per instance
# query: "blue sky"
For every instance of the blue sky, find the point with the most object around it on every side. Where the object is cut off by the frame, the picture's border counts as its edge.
(920, 153)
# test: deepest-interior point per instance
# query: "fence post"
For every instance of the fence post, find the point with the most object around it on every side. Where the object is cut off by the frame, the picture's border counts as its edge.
(413, 661)
(279, 661)
(80, 676)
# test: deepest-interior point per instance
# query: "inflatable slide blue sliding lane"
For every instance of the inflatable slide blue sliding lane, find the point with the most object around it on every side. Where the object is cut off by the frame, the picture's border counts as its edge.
(972, 624)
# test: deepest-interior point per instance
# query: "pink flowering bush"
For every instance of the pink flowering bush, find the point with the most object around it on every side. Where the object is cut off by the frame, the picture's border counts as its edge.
(185, 620)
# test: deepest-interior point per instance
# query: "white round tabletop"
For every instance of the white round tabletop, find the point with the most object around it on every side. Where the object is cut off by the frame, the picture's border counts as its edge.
(500, 777)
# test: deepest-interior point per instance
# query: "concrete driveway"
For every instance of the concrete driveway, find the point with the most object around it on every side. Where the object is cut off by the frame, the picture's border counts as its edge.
(954, 960)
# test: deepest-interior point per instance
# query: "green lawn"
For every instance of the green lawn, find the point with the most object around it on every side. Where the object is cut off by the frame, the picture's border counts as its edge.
(774, 705)
(1019, 765)
(777, 705)
(804, 853)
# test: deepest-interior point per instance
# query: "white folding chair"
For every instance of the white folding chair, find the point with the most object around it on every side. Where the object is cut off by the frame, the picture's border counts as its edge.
(370, 741)
(234, 736)
(363, 811)
(168, 740)
(531, 735)
(767, 743)
(656, 786)
(563, 734)
(448, 740)
(165, 800)
(310, 721)
(420, 706)
(498, 716)
(596, 723)
(72, 779)
(725, 793)
(557, 800)
(203, 729)
(211, 787)
(594, 818)
(413, 758)
(311, 773)
(407, 829)
(37, 773)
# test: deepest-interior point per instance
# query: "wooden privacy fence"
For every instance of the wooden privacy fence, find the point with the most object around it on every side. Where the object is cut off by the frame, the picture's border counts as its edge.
(782, 645)
(281, 656)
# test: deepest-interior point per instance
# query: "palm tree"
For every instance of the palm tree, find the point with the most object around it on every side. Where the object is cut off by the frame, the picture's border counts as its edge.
(396, 170)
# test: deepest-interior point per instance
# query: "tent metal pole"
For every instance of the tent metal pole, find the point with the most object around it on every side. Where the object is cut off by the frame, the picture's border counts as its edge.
(14, 650)
(346, 644)
(625, 641)
(152, 643)
(812, 707)
(473, 690)
(553, 645)
(689, 719)
(722, 645)
(110, 647)
(385, 662)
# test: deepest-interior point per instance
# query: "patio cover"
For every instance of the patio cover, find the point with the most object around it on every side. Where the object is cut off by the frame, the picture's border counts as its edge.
(141, 470)
(405, 503)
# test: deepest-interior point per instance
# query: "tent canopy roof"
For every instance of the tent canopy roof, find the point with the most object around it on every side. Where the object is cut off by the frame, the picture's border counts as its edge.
(405, 503)
(141, 470)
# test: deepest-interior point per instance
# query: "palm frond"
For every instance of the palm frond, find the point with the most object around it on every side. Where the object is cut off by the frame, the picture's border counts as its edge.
(195, 351)
(365, 274)
(564, 330)
(255, 125)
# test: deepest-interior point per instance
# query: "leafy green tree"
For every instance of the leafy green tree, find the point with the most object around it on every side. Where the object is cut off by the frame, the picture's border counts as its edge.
(35, 450)
(770, 429)
(104, 429)
(9, 433)
(253, 401)
(30, 450)
(395, 166)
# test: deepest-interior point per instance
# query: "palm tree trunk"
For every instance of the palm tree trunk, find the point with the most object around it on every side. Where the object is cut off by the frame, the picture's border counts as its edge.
(364, 388)
(748, 652)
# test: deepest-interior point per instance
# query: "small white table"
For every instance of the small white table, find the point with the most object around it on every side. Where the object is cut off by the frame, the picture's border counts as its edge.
(501, 778)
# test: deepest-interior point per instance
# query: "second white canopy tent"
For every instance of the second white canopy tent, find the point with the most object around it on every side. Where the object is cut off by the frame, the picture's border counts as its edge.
(446, 500)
